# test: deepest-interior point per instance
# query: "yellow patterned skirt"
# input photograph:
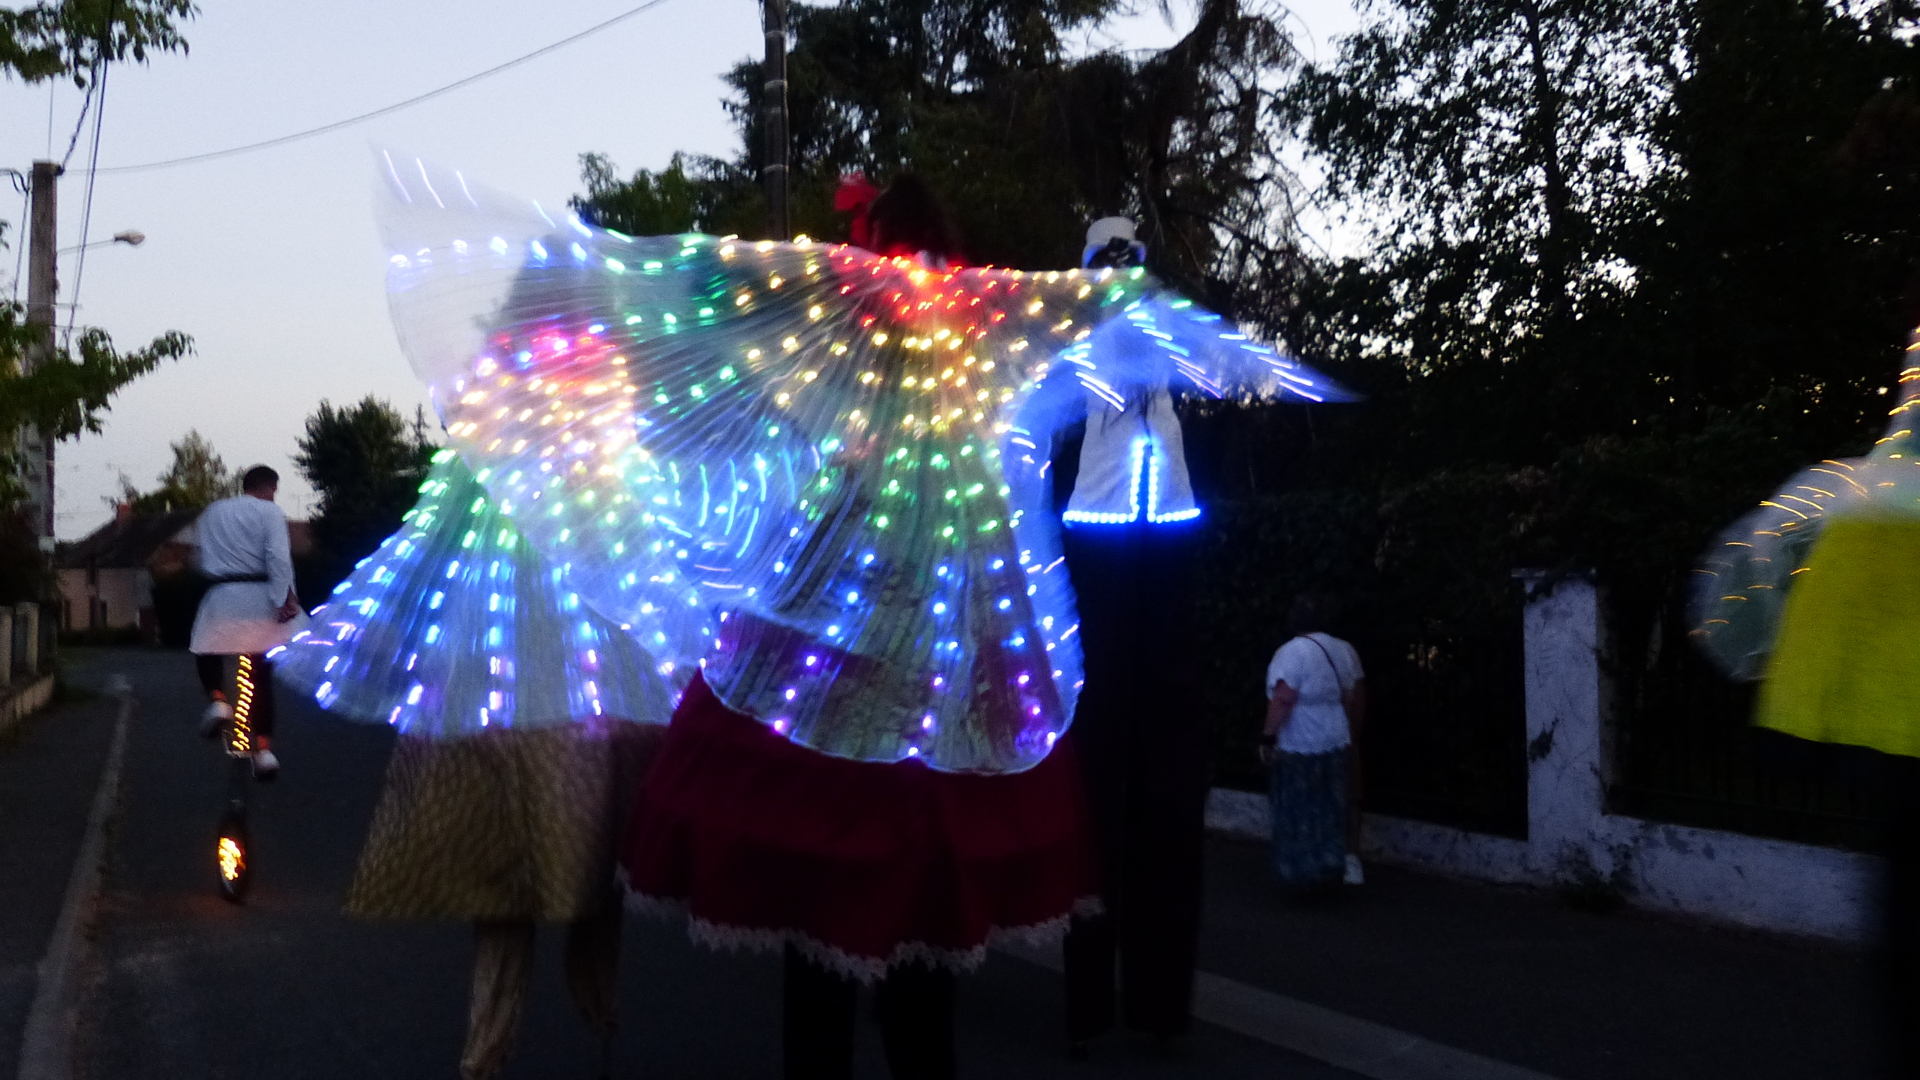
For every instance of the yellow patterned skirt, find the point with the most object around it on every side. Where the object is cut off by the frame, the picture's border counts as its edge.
(1846, 662)
(502, 825)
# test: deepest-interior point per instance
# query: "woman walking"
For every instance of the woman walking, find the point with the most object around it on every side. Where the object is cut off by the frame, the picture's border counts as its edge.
(1316, 702)
(523, 726)
(891, 875)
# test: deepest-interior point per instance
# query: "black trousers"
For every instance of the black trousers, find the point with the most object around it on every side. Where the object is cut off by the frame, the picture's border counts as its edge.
(1899, 797)
(1145, 756)
(913, 1004)
(1894, 784)
(214, 678)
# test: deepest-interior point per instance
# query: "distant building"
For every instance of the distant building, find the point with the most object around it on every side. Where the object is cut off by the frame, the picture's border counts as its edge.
(107, 580)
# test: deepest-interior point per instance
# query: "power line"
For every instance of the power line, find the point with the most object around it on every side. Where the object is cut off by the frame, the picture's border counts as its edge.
(396, 107)
(86, 214)
(19, 232)
(81, 124)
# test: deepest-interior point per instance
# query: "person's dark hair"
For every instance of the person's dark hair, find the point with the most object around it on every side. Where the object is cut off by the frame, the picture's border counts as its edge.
(1312, 613)
(907, 219)
(259, 477)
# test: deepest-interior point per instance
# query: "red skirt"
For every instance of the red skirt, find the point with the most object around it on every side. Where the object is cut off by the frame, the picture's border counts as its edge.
(861, 865)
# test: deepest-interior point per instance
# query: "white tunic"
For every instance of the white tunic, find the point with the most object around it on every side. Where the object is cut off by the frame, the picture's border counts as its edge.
(1133, 466)
(1319, 667)
(244, 536)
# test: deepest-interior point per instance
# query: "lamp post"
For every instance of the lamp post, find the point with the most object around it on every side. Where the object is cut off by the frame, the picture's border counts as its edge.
(131, 238)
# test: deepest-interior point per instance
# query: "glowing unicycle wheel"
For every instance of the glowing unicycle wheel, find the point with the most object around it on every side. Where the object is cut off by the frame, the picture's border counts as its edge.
(232, 858)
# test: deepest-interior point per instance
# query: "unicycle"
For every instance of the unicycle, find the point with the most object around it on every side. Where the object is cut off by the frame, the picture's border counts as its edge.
(230, 850)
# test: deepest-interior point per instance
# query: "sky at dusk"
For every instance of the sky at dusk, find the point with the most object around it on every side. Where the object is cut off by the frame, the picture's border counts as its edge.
(270, 259)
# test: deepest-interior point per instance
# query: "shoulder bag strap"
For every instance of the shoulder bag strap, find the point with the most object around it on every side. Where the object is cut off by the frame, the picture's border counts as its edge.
(1338, 686)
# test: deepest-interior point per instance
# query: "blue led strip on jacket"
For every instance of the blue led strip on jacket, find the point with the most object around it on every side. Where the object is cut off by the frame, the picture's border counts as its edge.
(1146, 472)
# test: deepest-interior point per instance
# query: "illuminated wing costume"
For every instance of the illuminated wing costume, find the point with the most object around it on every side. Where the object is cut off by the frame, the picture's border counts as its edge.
(815, 472)
(1818, 589)
(455, 625)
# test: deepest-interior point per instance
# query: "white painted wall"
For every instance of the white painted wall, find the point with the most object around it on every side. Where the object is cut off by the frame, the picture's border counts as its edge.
(1725, 877)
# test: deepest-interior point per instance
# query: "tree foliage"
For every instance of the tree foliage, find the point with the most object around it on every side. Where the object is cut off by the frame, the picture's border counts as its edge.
(366, 462)
(1621, 269)
(1024, 142)
(68, 393)
(71, 38)
(196, 479)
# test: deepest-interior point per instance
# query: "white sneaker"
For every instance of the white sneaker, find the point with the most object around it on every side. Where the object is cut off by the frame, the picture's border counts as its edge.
(217, 714)
(265, 765)
(1355, 875)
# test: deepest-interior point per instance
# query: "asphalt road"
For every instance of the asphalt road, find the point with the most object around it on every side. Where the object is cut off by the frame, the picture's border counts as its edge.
(184, 985)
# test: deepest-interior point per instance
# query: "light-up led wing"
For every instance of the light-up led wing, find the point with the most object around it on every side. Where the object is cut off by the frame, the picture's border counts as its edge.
(455, 626)
(802, 465)
(1740, 587)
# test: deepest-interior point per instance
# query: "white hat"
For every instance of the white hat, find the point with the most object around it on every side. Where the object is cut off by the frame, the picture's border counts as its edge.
(1104, 232)
(1108, 229)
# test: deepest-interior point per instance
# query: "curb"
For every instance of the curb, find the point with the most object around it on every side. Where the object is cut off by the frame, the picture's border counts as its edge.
(18, 703)
(1371, 1050)
(46, 1045)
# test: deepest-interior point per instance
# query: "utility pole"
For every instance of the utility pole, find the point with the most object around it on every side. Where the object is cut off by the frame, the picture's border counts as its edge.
(779, 223)
(36, 448)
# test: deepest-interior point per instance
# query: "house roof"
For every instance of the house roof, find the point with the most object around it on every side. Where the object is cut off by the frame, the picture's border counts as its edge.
(129, 542)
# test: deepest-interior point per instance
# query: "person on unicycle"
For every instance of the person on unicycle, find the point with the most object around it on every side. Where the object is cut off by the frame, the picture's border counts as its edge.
(250, 606)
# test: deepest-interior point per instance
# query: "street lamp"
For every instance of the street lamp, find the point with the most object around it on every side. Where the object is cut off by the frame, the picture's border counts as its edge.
(131, 238)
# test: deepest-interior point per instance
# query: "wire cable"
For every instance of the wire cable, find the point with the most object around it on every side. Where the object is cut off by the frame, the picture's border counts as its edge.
(86, 213)
(81, 124)
(19, 232)
(385, 110)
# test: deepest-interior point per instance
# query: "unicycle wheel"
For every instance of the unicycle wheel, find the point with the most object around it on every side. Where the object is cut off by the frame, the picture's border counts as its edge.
(231, 856)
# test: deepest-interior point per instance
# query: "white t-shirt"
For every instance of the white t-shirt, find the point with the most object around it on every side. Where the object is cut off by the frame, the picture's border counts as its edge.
(1319, 722)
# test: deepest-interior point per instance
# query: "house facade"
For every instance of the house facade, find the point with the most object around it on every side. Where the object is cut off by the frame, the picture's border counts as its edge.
(107, 580)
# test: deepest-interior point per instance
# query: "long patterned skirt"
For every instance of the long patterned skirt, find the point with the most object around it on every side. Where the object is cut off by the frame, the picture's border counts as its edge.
(1309, 795)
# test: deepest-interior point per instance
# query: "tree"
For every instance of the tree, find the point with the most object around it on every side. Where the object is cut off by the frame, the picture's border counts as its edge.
(1496, 154)
(196, 479)
(1023, 143)
(68, 393)
(72, 38)
(367, 463)
(649, 204)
